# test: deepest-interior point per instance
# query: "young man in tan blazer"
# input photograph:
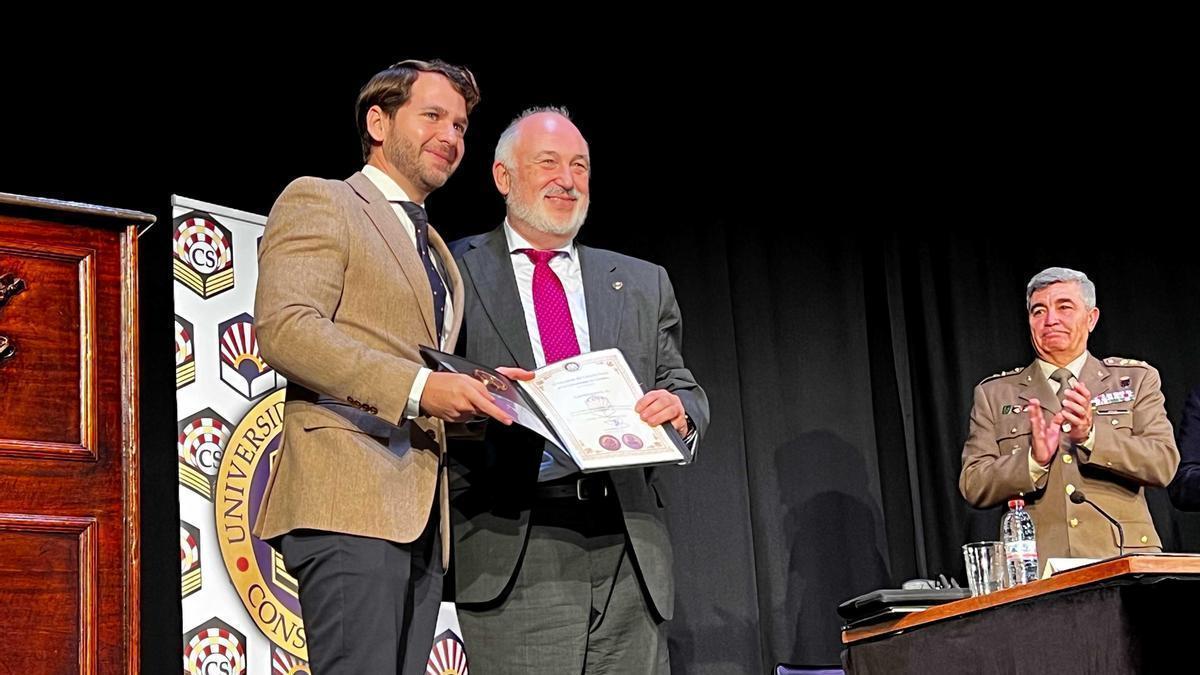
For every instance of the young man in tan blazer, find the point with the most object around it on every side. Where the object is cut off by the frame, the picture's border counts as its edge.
(352, 280)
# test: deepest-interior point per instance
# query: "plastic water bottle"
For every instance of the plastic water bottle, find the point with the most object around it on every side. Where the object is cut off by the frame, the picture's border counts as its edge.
(1020, 544)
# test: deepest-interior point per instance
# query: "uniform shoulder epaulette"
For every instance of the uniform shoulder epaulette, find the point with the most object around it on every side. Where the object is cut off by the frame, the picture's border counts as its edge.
(1126, 363)
(1003, 373)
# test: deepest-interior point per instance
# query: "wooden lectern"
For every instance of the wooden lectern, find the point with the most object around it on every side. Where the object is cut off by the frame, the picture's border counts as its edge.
(69, 480)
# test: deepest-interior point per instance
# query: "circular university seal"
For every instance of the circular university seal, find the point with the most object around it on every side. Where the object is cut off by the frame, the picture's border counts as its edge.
(269, 593)
(610, 442)
(632, 441)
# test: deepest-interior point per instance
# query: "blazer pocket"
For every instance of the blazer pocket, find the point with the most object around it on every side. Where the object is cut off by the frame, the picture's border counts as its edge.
(1014, 438)
(1116, 420)
(396, 445)
(1140, 534)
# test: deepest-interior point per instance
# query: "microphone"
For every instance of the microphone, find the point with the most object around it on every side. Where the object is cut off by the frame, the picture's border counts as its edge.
(1077, 497)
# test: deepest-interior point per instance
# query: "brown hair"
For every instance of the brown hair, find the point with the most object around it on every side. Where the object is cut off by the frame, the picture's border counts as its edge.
(391, 88)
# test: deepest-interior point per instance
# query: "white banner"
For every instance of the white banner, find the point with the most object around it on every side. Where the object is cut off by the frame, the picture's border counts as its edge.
(241, 613)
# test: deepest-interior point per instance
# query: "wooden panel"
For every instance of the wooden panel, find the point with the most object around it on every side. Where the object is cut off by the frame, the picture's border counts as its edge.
(48, 589)
(48, 385)
(77, 519)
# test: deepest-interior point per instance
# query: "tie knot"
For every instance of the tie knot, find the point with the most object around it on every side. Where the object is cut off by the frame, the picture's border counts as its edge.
(416, 213)
(539, 257)
(1061, 376)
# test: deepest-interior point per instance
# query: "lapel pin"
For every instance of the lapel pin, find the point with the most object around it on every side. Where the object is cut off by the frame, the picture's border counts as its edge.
(618, 285)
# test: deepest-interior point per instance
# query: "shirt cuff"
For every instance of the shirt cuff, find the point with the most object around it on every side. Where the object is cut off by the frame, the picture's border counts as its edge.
(413, 409)
(1037, 472)
(1091, 439)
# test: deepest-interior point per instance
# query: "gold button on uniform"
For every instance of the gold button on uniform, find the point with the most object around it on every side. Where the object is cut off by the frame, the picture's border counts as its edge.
(1070, 489)
(1014, 430)
(1074, 522)
(1145, 539)
(1067, 459)
(1115, 423)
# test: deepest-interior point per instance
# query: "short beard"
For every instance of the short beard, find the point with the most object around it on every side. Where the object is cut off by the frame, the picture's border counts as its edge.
(535, 215)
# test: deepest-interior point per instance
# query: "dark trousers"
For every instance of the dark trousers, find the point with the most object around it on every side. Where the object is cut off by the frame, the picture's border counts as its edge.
(369, 605)
(576, 605)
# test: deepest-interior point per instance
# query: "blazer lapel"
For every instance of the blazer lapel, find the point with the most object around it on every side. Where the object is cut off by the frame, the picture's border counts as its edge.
(490, 270)
(603, 290)
(379, 211)
(1035, 385)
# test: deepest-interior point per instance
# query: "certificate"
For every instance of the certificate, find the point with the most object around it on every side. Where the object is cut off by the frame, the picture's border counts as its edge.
(584, 405)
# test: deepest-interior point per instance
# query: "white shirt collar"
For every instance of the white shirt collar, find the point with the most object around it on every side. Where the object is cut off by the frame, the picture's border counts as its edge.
(1076, 366)
(516, 242)
(391, 189)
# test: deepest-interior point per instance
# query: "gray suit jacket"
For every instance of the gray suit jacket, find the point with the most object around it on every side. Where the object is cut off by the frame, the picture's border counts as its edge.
(493, 481)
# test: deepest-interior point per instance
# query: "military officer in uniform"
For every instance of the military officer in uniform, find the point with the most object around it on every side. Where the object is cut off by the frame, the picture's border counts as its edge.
(1071, 422)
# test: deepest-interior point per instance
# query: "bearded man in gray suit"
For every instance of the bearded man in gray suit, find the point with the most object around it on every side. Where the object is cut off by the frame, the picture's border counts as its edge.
(557, 572)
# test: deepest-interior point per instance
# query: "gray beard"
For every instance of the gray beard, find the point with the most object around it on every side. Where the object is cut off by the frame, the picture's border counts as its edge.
(538, 220)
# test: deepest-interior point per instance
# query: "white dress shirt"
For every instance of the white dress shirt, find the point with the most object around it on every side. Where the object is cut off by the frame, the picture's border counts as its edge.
(396, 194)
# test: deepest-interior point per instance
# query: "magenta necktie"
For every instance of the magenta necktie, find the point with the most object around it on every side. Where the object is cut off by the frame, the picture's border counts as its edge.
(555, 326)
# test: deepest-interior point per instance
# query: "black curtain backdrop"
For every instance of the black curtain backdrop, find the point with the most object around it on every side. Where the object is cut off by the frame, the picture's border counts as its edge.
(849, 234)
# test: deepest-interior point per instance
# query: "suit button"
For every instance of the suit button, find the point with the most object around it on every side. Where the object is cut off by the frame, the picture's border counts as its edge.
(1074, 522)
(1067, 459)
(1014, 430)
(1145, 539)
(1115, 423)
(1070, 489)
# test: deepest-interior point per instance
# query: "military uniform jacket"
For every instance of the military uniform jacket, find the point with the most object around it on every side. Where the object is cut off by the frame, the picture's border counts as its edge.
(1133, 446)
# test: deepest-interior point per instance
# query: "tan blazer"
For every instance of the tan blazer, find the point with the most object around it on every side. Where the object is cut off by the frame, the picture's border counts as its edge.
(1134, 447)
(343, 303)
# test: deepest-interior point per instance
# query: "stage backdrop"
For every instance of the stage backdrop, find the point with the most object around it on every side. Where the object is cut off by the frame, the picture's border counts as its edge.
(240, 608)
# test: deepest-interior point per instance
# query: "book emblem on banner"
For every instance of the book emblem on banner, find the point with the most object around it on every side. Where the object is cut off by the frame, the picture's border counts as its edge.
(189, 557)
(214, 647)
(203, 254)
(242, 368)
(185, 353)
(202, 439)
(269, 593)
(283, 663)
(449, 656)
